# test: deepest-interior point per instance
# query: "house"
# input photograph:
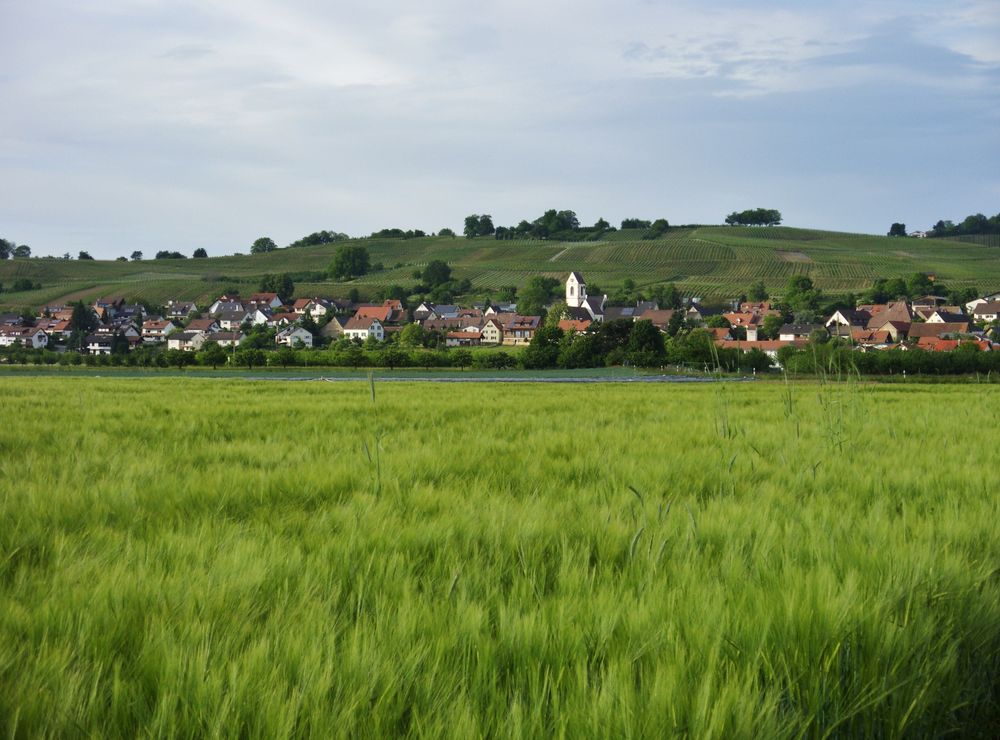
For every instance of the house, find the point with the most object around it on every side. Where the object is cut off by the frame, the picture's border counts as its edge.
(471, 338)
(896, 330)
(12, 319)
(180, 309)
(577, 325)
(204, 325)
(926, 302)
(881, 313)
(226, 338)
(940, 316)
(492, 331)
(456, 323)
(98, 344)
(660, 318)
(791, 332)
(988, 311)
(300, 305)
(33, 337)
(937, 344)
(270, 300)
(938, 329)
(291, 336)
(228, 300)
(318, 308)
(629, 313)
(521, 329)
(109, 305)
(333, 328)
(499, 308)
(697, 313)
(156, 330)
(849, 317)
(186, 341)
(363, 327)
(389, 312)
(769, 347)
(579, 305)
(231, 318)
(283, 319)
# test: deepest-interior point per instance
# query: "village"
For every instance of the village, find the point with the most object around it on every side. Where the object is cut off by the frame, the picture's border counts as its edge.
(925, 323)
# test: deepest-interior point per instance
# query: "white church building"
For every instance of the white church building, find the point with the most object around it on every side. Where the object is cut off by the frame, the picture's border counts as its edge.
(580, 305)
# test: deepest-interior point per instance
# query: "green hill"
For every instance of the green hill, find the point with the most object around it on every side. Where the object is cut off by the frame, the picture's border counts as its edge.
(713, 262)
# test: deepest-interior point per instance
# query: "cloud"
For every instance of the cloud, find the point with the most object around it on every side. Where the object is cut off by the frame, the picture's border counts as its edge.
(223, 119)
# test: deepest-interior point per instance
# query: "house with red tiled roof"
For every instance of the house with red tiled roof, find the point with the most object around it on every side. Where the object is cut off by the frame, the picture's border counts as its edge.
(577, 325)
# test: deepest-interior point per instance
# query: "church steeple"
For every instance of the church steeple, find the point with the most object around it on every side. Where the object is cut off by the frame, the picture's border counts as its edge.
(576, 290)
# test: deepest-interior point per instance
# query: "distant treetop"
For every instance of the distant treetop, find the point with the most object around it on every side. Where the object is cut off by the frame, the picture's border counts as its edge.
(755, 217)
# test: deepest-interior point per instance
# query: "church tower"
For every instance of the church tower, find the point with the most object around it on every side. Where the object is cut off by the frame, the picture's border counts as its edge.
(576, 290)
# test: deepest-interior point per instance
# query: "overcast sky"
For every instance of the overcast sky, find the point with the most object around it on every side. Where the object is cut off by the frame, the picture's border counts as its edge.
(156, 124)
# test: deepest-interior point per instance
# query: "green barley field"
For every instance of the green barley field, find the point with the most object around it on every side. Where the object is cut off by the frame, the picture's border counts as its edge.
(218, 557)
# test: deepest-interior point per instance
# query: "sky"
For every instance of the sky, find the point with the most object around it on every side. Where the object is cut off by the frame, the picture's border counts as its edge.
(168, 124)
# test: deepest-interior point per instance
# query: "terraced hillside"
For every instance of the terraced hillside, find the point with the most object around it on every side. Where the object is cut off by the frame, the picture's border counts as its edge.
(711, 262)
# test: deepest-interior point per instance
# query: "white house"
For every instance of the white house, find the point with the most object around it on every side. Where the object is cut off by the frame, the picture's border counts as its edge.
(292, 334)
(29, 336)
(987, 311)
(492, 331)
(189, 341)
(156, 330)
(362, 328)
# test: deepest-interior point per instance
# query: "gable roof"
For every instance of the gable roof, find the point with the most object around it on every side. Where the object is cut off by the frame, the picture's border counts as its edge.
(578, 277)
(361, 323)
(937, 330)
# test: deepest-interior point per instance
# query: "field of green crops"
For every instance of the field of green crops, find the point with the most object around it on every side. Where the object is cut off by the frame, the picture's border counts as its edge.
(711, 262)
(198, 557)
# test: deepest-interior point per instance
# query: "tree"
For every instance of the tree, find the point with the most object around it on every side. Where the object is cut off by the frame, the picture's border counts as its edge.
(212, 353)
(436, 273)
(897, 229)
(263, 244)
(532, 299)
(478, 225)
(543, 351)
(166, 254)
(758, 292)
(635, 223)
(6, 249)
(84, 256)
(446, 232)
(770, 327)
(250, 357)
(645, 345)
(657, 229)
(754, 217)
(199, 253)
(136, 256)
(22, 251)
(280, 284)
(412, 335)
(319, 237)
(350, 261)
(676, 322)
(557, 312)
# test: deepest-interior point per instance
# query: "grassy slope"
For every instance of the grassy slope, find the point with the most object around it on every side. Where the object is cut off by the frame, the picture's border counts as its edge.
(713, 262)
(224, 562)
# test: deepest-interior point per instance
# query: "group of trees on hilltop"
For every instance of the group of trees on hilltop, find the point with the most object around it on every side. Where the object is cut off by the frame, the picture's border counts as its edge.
(556, 225)
(11, 249)
(970, 226)
(318, 238)
(754, 217)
